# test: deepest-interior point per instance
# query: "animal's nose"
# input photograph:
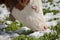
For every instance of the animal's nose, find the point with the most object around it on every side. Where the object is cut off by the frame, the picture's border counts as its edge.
(44, 28)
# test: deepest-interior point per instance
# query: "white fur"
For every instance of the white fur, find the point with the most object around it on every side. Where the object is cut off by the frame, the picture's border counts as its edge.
(31, 18)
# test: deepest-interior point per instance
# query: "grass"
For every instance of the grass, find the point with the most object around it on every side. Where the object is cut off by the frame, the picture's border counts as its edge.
(51, 36)
(24, 36)
(13, 26)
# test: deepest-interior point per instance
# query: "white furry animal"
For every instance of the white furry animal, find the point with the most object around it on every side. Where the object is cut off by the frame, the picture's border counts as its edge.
(31, 15)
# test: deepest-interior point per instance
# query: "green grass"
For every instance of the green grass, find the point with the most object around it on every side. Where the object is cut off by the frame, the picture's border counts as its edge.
(24, 36)
(50, 36)
(49, 11)
(53, 19)
(13, 26)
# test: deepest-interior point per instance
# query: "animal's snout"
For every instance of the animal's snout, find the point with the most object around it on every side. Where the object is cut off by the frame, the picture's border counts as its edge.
(44, 28)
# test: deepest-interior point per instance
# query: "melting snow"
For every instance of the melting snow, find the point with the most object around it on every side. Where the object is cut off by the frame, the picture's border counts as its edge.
(4, 37)
(4, 13)
(39, 34)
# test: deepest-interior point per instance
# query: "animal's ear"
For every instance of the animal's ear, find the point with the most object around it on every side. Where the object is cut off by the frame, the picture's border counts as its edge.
(21, 4)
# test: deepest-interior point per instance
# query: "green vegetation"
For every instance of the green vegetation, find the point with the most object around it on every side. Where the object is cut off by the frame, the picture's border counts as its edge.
(13, 26)
(55, 33)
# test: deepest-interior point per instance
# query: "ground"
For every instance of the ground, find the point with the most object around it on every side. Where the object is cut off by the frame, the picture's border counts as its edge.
(10, 30)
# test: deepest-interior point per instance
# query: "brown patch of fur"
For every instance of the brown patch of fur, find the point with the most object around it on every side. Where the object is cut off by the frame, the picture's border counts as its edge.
(8, 3)
(20, 5)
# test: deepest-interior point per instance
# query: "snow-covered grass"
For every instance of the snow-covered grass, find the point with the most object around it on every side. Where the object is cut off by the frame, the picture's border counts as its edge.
(2, 37)
(9, 29)
(3, 12)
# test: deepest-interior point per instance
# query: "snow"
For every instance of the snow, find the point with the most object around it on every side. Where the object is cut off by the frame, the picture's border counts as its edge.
(58, 39)
(55, 8)
(47, 31)
(4, 37)
(56, 0)
(8, 22)
(46, 5)
(2, 26)
(49, 16)
(4, 13)
(14, 35)
(7, 36)
(57, 15)
(23, 29)
(37, 34)
(53, 23)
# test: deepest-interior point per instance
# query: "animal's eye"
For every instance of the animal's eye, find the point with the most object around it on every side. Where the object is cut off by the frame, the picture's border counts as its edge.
(3, 6)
